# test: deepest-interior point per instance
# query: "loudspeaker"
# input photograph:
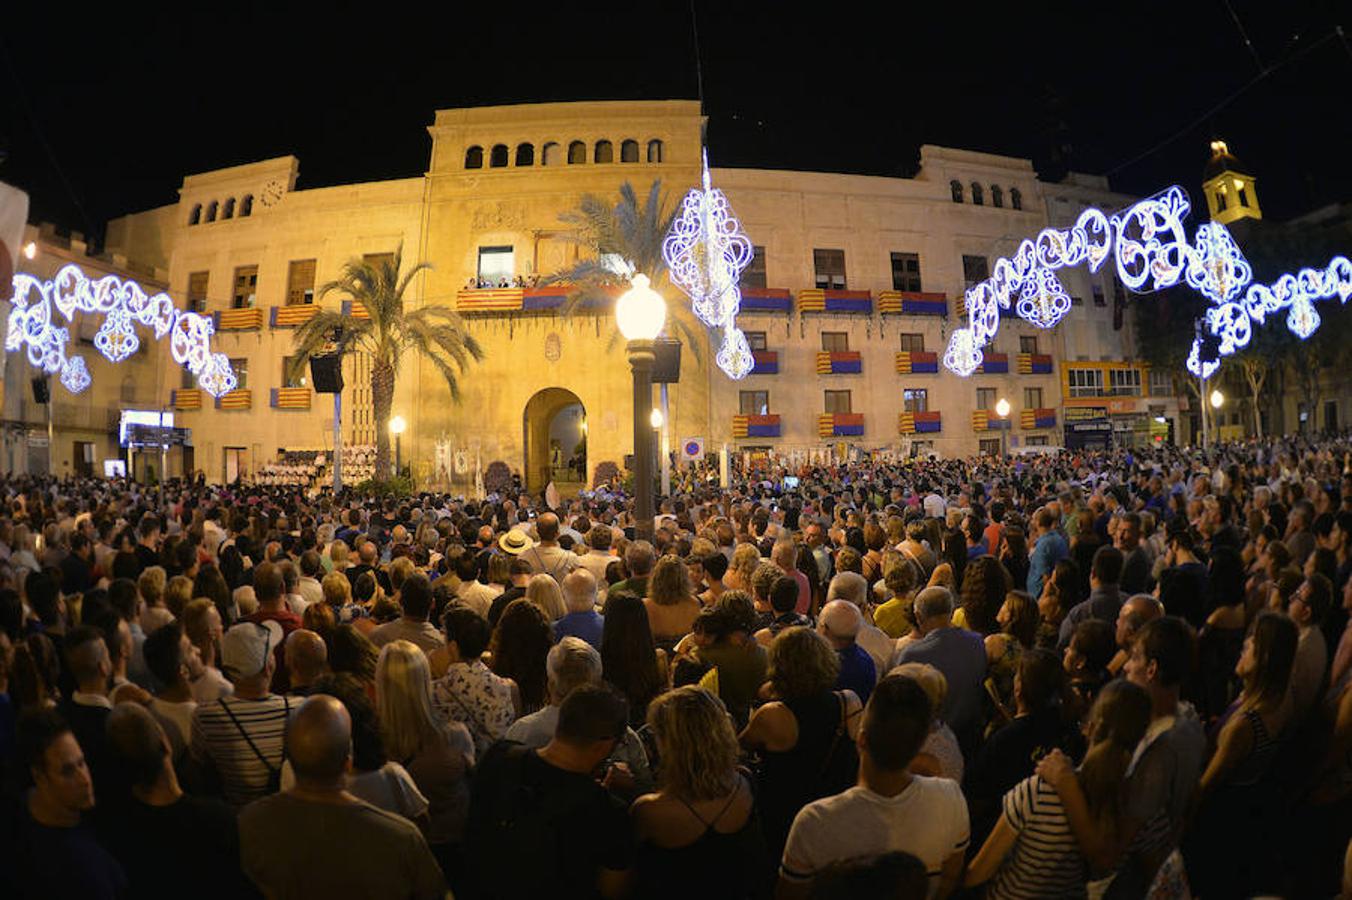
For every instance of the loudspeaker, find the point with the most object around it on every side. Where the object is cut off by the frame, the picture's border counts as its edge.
(666, 361)
(326, 373)
(42, 391)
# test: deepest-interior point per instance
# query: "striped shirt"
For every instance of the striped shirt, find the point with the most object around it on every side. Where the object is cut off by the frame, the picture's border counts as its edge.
(1045, 860)
(217, 740)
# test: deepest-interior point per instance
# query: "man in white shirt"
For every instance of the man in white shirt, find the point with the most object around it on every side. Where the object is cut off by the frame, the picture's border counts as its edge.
(598, 556)
(547, 557)
(311, 570)
(889, 809)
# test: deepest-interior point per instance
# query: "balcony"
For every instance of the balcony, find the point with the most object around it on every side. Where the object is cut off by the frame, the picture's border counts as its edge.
(840, 425)
(249, 318)
(1035, 363)
(917, 362)
(988, 420)
(764, 426)
(927, 422)
(767, 300)
(183, 399)
(240, 399)
(827, 300)
(289, 398)
(913, 303)
(839, 362)
(993, 364)
(291, 316)
(766, 362)
(1033, 419)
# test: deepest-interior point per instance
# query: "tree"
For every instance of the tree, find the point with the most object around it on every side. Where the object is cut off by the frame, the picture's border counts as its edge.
(1165, 326)
(388, 334)
(627, 233)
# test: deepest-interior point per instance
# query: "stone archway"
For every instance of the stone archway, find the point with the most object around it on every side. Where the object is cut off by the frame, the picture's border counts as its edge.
(554, 431)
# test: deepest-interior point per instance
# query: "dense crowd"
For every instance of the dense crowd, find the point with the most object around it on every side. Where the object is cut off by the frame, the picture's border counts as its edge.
(1112, 674)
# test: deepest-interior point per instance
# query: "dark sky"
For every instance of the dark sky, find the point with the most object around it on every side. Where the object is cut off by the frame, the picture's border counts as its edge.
(104, 109)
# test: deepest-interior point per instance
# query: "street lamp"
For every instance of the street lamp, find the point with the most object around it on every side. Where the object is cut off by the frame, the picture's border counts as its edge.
(397, 426)
(1217, 399)
(655, 418)
(1002, 410)
(640, 313)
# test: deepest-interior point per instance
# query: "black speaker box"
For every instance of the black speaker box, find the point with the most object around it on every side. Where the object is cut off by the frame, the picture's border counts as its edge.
(326, 373)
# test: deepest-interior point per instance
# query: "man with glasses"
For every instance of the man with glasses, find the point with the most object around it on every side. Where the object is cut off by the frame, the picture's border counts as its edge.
(241, 736)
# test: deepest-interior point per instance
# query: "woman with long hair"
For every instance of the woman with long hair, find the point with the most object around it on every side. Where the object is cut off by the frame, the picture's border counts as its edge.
(1059, 595)
(1032, 851)
(210, 583)
(984, 586)
(519, 649)
(629, 661)
(352, 652)
(671, 602)
(745, 559)
(437, 754)
(702, 820)
(1221, 639)
(1018, 621)
(805, 735)
(33, 673)
(545, 593)
(1232, 847)
(1014, 554)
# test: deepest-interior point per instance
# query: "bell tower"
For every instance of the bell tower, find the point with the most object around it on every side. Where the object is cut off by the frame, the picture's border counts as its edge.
(1231, 194)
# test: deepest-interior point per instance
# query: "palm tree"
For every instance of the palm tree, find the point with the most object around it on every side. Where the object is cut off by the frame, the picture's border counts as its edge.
(631, 232)
(388, 333)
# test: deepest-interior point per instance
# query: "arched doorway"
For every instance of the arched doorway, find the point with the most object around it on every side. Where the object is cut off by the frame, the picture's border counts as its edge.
(555, 440)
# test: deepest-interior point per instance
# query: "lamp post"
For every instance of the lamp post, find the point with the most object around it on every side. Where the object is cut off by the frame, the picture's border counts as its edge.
(1217, 401)
(1002, 410)
(640, 314)
(397, 426)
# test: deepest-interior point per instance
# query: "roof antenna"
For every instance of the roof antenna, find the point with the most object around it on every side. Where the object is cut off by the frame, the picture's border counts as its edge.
(699, 72)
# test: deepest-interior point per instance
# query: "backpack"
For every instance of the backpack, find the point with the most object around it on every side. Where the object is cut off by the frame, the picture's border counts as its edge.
(523, 822)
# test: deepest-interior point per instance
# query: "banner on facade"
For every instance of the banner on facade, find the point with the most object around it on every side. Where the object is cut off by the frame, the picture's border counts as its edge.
(1085, 413)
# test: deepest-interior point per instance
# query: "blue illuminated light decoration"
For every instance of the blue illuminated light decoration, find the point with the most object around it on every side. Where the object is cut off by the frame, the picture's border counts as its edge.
(734, 356)
(1151, 251)
(706, 251)
(123, 304)
(1043, 301)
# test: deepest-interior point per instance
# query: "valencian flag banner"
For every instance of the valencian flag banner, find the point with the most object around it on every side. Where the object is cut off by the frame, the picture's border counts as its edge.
(840, 362)
(840, 425)
(755, 426)
(918, 423)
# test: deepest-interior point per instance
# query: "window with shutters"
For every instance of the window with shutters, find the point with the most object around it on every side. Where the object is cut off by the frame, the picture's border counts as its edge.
(1027, 343)
(245, 294)
(1032, 398)
(835, 341)
(913, 342)
(837, 402)
(829, 266)
(906, 272)
(754, 403)
(975, 269)
(197, 291)
(985, 398)
(915, 400)
(753, 276)
(300, 282)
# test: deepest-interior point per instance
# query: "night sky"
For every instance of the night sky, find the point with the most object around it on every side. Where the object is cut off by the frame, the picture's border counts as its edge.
(103, 109)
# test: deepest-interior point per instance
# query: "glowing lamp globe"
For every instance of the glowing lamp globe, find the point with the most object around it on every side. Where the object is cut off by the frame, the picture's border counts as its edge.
(640, 312)
(397, 425)
(655, 418)
(1217, 399)
(1002, 408)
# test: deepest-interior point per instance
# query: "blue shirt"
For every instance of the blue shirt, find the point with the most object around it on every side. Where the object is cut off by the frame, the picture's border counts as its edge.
(961, 656)
(1050, 549)
(857, 672)
(585, 625)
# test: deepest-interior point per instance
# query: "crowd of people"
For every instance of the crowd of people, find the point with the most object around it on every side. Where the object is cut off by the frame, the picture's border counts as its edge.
(1110, 674)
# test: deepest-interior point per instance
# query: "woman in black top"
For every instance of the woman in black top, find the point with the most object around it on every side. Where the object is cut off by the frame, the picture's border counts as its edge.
(702, 823)
(805, 736)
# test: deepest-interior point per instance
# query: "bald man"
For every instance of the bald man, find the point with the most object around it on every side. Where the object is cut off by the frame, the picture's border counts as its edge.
(840, 623)
(287, 840)
(1131, 618)
(547, 557)
(307, 658)
(582, 620)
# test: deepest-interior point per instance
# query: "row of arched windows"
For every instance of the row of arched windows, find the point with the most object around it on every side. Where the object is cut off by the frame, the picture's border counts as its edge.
(208, 213)
(979, 195)
(552, 154)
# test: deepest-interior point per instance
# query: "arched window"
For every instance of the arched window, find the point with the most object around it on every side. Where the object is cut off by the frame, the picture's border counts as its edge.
(211, 211)
(955, 187)
(605, 152)
(229, 211)
(246, 206)
(474, 158)
(549, 154)
(497, 158)
(1015, 198)
(525, 154)
(654, 151)
(629, 151)
(195, 216)
(577, 153)
(997, 196)
(977, 198)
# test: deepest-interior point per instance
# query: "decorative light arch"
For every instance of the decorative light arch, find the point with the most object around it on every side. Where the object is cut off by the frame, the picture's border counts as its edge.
(1150, 249)
(123, 304)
